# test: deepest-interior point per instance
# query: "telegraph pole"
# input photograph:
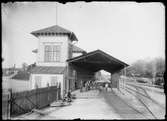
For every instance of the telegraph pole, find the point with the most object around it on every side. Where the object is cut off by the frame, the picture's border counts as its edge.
(56, 13)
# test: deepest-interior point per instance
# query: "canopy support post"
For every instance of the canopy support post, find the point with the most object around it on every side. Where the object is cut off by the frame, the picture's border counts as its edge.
(124, 76)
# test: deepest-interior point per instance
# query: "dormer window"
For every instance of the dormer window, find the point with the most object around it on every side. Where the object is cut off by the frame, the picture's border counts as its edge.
(52, 53)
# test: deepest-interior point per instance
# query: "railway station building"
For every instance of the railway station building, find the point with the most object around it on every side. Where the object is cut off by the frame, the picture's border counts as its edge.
(59, 61)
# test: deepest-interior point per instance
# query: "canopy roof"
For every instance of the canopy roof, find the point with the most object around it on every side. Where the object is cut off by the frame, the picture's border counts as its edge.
(98, 60)
(53, 30)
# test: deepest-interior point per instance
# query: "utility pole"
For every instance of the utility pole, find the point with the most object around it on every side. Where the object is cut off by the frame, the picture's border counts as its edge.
(56, 13)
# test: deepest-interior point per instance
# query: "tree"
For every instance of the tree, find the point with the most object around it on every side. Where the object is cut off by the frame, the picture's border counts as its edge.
(160, 65)
(147, 68)
(31, 66)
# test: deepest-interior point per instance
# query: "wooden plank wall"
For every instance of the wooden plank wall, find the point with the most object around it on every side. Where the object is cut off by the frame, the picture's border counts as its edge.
(23, 102)
(5, 105)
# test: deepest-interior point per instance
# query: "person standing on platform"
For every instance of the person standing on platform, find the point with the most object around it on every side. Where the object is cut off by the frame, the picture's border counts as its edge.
(81, 86)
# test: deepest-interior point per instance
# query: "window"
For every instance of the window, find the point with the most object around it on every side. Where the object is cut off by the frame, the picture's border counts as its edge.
(38, 80)
(52, 53)
(53, 80)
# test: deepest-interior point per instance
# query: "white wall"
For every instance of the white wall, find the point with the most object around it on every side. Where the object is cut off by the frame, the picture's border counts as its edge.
(46, 78)
(60, 40)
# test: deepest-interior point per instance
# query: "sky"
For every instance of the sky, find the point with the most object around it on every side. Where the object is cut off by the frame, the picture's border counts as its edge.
(128, 31)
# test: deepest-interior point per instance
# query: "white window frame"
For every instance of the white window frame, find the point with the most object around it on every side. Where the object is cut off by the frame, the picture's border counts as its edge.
(52, 53)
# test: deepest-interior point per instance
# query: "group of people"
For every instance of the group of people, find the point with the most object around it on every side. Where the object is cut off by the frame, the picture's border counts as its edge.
(89, 85)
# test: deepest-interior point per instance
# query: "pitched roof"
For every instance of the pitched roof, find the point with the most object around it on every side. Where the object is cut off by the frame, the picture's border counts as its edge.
(55, 30)
(96, 52)
(47, 70)
(97, 60)
(76, 49)
(22, 75)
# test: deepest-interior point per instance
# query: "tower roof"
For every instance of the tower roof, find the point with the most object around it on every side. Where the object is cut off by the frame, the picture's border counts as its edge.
(53, 30)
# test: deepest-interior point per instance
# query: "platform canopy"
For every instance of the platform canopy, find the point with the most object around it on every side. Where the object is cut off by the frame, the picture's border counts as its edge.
(98, 60)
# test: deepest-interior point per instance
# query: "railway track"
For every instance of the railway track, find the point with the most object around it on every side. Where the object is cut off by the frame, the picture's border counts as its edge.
(139, 89)
(148, 87)
(143, 104)
(118, 107)
(142, 96)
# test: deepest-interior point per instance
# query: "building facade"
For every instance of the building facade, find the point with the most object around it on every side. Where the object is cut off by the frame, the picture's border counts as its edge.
(55, 46)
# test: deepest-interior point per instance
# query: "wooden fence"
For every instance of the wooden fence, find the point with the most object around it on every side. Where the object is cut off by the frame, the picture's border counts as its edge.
(5, 105)
(23, 102)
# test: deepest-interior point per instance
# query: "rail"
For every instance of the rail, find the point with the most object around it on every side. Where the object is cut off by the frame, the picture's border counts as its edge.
(146, 96)
(140, 96)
